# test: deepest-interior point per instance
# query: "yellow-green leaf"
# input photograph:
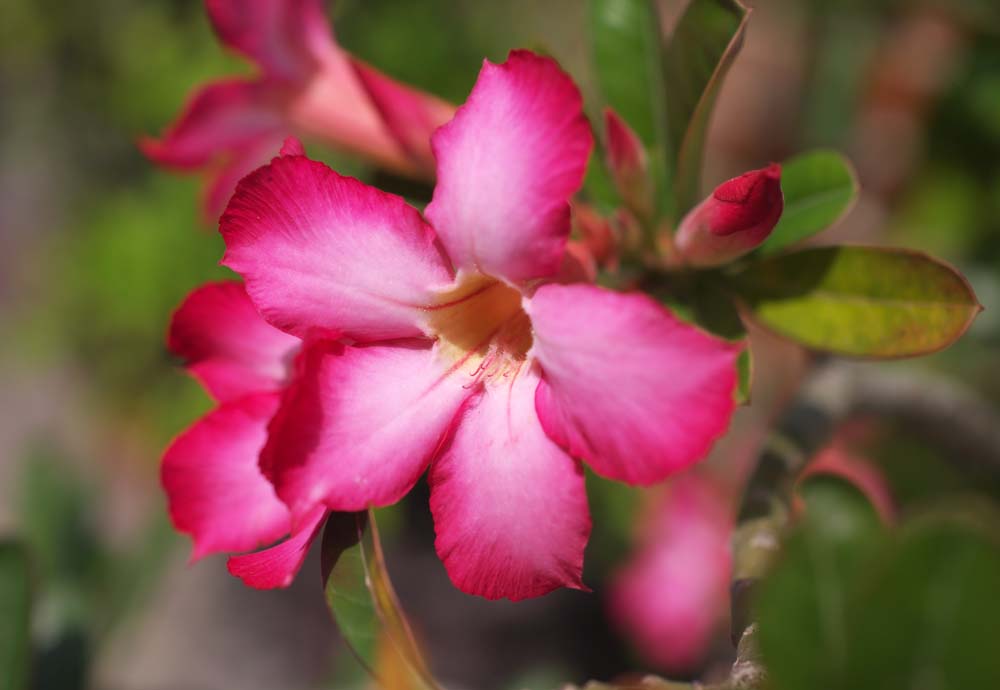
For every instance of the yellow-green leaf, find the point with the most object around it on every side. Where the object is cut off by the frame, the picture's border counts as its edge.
(859, 301)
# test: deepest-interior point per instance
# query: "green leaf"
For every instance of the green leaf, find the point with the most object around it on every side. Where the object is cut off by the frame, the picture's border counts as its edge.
(15, 612)
(819, 187)
(858, 301)
(802, 606)
(363, 602)
(744, 372)
(626, 45)
(627, 50)
(930, 617)
(703, 47)
(847, 607)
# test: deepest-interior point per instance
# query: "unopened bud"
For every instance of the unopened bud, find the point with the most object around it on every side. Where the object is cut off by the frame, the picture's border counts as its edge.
(737, 217)
(628, 165)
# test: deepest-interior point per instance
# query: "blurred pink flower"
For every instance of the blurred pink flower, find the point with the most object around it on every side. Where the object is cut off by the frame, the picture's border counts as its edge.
(215, 490)
(307, 86)
(673, 596)
(736, 218)
(450, 348)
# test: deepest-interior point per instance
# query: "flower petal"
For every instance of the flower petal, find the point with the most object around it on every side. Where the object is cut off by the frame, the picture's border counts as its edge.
(626, 386)
(323, 253)
(361, 424)
(278, 565)
(411, 115)
(510, 510)
(215, 490)
(507, 165)
(282, 36)
(223, 117)
(227, 345)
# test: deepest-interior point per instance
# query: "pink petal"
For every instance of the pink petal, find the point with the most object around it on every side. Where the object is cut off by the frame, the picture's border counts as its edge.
(223, 117)
(510, 510)
(278, 565)
(227, 345)
(411, 115)
(361, 424)
(323, 253)
(215, 490)
(507, 165)
(282, 36)
(626, 386)
(671, 598)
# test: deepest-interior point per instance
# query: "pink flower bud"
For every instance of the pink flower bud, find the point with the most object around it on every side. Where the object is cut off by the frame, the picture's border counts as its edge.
(737, 217)
(627, 161)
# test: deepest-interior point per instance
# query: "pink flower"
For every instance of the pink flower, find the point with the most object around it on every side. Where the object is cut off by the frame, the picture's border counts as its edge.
(673, 596)
(737, 217)
(307, 86)
(447, 346)
(215, 490)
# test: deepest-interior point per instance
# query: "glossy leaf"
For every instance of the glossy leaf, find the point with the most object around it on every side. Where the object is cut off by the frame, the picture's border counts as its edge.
(697, 58)
(361, 598)
(859, 301)
(15, 610)
(819, 188)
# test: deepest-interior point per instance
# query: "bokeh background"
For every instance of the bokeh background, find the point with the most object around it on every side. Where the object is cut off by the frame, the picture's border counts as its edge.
(97, 246)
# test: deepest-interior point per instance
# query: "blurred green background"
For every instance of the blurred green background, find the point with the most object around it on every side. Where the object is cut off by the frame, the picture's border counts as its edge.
(97, 247)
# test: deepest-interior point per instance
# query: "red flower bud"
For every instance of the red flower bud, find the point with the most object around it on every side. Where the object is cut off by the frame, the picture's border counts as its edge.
(737, 217)
(628, 165)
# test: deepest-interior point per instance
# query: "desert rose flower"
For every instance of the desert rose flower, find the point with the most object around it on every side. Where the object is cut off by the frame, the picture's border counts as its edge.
(737, 217)
(215, 490)
(308, 86)
(448, 344)
(672, 597)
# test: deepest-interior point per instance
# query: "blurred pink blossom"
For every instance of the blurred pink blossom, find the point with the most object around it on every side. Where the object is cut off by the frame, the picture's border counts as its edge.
(307, 86)
(673, 596)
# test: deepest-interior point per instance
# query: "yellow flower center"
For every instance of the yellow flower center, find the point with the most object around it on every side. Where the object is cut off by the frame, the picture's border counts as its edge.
(481, 326)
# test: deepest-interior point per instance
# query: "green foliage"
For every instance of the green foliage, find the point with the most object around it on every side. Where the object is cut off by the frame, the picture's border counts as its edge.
(15, 616)
(626, 45)
(627, 51)
(849, 606)
(859, 301)
(819, 187)
(696, 61)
